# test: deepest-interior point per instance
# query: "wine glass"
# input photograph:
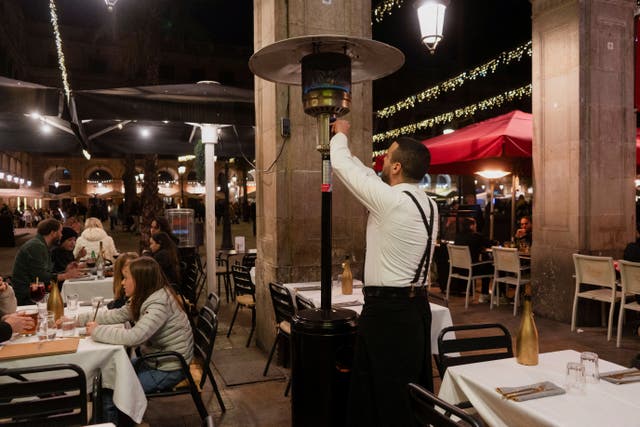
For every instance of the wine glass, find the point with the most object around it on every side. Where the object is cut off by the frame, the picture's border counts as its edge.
(37, 291)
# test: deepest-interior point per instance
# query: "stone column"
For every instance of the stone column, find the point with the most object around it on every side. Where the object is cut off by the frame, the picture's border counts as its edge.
(584, 140)
(288, 173)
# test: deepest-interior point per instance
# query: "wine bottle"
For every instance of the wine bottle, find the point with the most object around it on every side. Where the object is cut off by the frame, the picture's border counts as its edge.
(100, 263)
(347, 277)
(54, 303)
(527, 339)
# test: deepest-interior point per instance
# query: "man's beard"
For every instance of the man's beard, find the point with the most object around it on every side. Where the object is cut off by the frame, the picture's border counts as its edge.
(385, 176)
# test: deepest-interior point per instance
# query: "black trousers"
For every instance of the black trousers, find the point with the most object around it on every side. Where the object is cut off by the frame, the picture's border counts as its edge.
(393, 348)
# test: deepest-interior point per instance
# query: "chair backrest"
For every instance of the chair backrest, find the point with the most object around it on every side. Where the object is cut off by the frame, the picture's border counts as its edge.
(630, 276)
(430, 410)
(437, 299)
(53, 401)
(594, 270)
(249, 260)
(213, 302)
(506, 259)
(242, 282)
(282, 302)
(304, 304)
(470, 349)
(204, 335)
(459, 256)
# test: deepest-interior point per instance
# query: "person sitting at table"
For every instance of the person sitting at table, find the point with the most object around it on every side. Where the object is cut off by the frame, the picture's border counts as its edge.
(165, 252)
(62, 254)
(524, 235)
(161, 324)
(477, 243)
(119, 297)
(91, 237)
(10, 321)
(73, 223)
(33, 261)
(161, 223)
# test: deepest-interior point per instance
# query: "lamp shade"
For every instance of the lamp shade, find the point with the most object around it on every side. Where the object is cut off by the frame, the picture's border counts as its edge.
(493, 174)
(431, 19)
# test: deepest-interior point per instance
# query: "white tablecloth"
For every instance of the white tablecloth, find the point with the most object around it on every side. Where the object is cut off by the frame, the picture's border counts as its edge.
(117, 371)
(603, 403)
(86, 289)
(440, 316)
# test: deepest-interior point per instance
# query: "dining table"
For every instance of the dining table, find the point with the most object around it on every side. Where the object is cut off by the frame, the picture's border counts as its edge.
(88, 287)
(601, 403)
(440, 315)
(93, 357)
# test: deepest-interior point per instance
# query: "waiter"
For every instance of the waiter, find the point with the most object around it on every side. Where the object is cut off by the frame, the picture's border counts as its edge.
(393, 340)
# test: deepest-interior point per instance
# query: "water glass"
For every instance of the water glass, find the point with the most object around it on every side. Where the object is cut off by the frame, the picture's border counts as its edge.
(72, 302)
(47, 327)
(42, 308)
(68, 325)
(590, 362)
(575, 380)
(96, 302)
(337, 285)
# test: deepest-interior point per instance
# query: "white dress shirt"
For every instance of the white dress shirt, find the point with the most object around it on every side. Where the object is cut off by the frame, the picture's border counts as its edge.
(396, 234)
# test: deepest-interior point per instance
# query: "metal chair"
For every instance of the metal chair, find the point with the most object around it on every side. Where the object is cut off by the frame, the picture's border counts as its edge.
(204, 336)
(485, 344)
(303, 304)
(223, 275)
(595, 271)
(54, 401)
(245, 292)
(630, 281)
(459, 263)
(213, 302)
(507, 270)
(429, 410)
(249, 260)
(284, 310)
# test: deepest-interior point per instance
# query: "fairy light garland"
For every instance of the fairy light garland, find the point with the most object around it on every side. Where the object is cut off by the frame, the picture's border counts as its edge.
(467, 111)
(450, 85)
(386, 8)
(58, 39)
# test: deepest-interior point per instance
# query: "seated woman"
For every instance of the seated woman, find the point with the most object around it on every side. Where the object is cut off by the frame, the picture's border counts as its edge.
(469, 236)
(161, 223)
(119, 297)
(10, 321)
(91, 237)
(160, 325)
(165, 252)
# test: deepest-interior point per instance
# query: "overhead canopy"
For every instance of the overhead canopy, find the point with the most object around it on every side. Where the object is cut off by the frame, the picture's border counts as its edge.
(498, 142)
(23, 97)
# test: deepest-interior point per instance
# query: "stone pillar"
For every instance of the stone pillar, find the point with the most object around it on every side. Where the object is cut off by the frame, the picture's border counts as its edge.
(288, 173)
(584, 140)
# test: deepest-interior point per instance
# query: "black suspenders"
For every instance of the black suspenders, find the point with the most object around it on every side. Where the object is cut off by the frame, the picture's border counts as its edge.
(426, 257)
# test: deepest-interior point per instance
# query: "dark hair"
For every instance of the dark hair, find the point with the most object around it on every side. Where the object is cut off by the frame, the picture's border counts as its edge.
(163, 224)
(169, 245)
(413, 156)
(467, 222)
(47, 226)
(527, 217)
(149, 278)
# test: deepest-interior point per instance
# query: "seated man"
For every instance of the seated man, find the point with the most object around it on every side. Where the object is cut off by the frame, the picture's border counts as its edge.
(33, 261)
(62, 255)
(524, 233)
(469, 236)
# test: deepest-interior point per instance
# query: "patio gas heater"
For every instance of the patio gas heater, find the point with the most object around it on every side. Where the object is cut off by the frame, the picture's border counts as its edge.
(322, 339)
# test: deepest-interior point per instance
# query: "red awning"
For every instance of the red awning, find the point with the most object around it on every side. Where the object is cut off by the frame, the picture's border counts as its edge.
(497, 142)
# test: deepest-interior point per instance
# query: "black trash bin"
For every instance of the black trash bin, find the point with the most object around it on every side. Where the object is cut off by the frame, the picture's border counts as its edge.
(321, 358)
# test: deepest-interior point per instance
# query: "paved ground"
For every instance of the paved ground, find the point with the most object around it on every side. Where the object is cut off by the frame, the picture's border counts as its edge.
(263, 404)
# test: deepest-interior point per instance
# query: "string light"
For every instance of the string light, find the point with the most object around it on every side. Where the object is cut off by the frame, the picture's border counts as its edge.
(386, 8)
(467, 111)
(450, 85)
(61, 63)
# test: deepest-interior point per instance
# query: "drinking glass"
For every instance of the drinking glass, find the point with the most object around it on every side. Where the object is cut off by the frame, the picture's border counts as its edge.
(42, 307)
(575, 379)
(72, 302)
(33, 313)
(37, 291)
(337, 285)
(69, 325)
(96, 303)
(590, 362)
(47, 327)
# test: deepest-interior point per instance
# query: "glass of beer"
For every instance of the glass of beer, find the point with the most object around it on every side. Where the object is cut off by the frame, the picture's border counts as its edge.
(33, 314)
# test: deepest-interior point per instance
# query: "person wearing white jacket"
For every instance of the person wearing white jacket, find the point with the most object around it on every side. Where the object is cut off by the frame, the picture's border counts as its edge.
(91, 237)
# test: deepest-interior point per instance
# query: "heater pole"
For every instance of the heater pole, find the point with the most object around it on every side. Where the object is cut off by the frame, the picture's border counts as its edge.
(322, 121)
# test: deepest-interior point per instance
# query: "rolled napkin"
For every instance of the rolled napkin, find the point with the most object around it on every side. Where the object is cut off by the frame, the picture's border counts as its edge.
(531, 391)
(622, 377)
(347, 304)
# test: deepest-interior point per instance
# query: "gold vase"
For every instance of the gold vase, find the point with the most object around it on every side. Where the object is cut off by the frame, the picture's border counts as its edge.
(527, 339)
(54, 303)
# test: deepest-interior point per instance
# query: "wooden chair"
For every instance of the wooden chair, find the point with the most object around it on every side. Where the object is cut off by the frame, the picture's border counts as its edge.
(284, 311)
(245, 292)
(429, 410)
(459, 262)
(507, 270)
(204, 336)
(53, 401)
(630, 281)
(595, 271)
(485, 344)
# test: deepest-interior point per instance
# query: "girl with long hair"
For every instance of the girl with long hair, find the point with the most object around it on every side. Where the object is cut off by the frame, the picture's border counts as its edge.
(165, 252)
(119, 297)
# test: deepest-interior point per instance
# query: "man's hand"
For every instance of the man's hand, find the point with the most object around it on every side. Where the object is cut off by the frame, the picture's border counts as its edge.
(71, 273)
(341, 126)
(19, 322)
